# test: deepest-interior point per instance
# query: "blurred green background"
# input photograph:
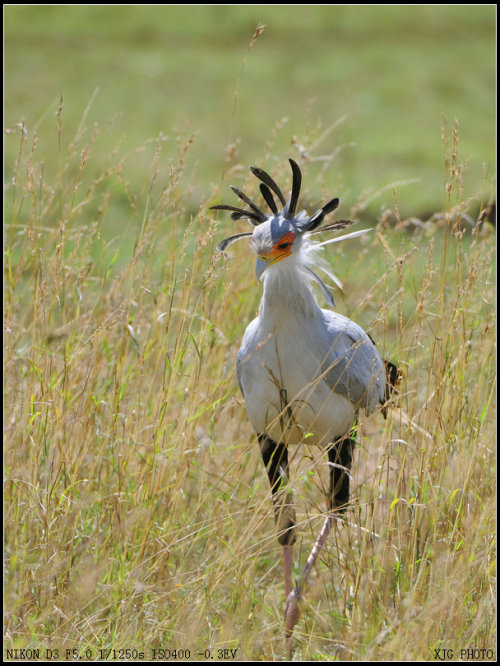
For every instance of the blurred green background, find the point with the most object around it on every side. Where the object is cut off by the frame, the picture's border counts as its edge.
(384, 75)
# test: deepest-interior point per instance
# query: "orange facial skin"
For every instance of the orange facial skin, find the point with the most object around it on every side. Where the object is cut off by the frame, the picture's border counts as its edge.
(282, 249)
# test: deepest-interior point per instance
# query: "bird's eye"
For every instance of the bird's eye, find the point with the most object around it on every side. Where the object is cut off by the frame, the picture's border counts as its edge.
(284, 246)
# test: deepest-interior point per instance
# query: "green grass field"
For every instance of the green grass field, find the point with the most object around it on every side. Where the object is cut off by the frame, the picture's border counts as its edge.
(375, 81)
(137, 511)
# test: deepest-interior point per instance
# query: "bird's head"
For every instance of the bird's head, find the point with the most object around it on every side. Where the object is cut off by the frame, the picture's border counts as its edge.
(284, 234)
(274, 240)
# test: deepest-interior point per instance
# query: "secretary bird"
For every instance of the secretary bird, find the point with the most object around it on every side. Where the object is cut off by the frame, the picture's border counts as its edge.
(303, 370)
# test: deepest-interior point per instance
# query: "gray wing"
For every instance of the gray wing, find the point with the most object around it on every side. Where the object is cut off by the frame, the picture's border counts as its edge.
(245, 351)
(239, 370)
(351, 364)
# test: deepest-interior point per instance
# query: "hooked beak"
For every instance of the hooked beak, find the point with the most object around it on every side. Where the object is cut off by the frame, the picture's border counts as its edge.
(264, 262)
(260, 267)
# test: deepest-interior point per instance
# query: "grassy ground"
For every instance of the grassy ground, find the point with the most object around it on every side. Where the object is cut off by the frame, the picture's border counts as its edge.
(137, 512)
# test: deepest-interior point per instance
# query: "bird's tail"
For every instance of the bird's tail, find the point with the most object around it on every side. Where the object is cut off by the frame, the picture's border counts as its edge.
(393, 377)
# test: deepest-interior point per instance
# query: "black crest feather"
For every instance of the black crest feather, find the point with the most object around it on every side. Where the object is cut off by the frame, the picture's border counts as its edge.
(268, 188)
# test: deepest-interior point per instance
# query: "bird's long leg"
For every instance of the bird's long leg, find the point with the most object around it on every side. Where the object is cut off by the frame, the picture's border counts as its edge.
(287, 566)
(340, 459)
(275, 456)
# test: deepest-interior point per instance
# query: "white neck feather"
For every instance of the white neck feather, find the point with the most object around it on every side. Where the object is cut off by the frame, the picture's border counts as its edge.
(287, 294)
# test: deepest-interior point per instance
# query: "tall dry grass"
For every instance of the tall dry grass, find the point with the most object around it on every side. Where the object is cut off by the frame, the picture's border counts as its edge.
(137, 511)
